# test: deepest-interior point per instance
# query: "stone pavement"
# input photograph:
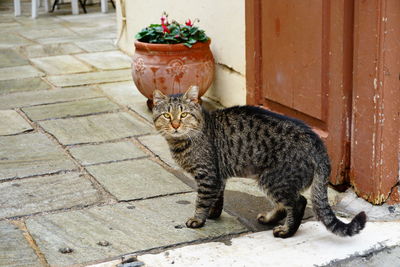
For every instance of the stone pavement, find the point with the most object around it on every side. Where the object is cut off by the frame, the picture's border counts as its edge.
(84, 178)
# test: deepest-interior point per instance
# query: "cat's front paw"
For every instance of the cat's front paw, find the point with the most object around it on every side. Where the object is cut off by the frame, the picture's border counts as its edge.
(195, 222)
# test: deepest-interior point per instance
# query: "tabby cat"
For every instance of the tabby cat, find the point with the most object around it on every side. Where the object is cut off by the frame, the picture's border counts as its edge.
(284, 155)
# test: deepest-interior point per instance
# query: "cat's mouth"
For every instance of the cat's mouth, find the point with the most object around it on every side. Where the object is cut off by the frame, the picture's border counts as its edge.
(176, 133)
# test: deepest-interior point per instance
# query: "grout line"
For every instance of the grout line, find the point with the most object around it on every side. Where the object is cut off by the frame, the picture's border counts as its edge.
(61, 101)
(123, 139)
(106, 141)
(106, 203)
(16, 179)
(80, 115)
(92, 67)
(115, 161)
(31, 241)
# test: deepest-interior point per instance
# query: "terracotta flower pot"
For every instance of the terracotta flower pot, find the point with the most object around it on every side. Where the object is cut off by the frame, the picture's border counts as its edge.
(172, 68)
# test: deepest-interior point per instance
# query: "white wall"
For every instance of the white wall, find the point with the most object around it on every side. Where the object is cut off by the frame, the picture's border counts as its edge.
(222, 20)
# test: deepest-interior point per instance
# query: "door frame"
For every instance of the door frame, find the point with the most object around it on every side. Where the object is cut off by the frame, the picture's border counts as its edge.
(375, 143)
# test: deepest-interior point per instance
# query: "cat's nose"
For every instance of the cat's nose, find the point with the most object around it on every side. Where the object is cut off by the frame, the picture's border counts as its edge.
(175, 124)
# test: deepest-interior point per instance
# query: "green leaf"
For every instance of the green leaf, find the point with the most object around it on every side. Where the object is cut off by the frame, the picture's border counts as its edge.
(192, 41)
(194, 30)
(188, 45)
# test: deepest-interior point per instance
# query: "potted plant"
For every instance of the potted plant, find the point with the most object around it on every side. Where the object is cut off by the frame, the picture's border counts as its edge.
(171, 57)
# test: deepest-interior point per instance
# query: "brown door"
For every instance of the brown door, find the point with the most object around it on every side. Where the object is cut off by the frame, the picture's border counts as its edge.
(299, 63)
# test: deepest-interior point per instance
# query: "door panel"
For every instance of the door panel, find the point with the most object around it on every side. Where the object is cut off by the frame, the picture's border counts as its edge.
(292, 54)
(301, 57)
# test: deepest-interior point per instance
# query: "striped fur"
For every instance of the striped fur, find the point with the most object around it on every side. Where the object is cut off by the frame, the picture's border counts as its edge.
(284, 154)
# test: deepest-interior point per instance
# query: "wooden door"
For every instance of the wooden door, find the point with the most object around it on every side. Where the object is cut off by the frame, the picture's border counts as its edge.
(299, 63)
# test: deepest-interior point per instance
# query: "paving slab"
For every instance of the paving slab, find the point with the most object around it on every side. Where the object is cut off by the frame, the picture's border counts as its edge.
(31, 154)
(139, 106)
(95, 128)
(107, 152)
(104, 33)
(137, 179)
(35, 33)
(7, 18)
(13, 123)
(99, 27)
(245, 185)
(97, 45)
(64, 64)
(90, 78)
(40, 194)
(10, 27)
(158, 145)
(69, 109)
(21, 85)
(42, 21)
(124, 227)
(107, 60)
(19, 72)
(63, 39)
(14, 249)
(93, 17)
(120, 91)
(126, 93)
(25, 99)
(9, 58)
(12, 40)
(34, 51)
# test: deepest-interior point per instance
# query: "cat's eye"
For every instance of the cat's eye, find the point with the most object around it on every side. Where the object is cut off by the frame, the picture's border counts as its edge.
(184, 114)
(167, 115)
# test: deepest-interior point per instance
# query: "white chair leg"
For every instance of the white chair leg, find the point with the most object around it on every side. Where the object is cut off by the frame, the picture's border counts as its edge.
(34, 9)
(104, 6)
(46, 5)
(75, 7)
(17, 7)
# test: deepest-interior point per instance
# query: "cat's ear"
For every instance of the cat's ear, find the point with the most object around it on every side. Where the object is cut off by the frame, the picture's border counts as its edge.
(158, 97)
(192, 94)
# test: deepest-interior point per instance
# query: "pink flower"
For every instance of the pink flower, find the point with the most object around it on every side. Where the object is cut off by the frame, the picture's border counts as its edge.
(165, 28)
(189, 23)
(164, 20)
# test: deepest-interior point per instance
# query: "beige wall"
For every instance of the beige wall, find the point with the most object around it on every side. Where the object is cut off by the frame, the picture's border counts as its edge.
(223, 21)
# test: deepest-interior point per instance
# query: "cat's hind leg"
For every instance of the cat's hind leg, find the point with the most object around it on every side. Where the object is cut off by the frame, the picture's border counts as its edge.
(295, 211)
(272, 217)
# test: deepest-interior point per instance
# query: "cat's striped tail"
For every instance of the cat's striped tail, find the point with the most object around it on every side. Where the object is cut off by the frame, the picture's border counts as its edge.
(323, 210)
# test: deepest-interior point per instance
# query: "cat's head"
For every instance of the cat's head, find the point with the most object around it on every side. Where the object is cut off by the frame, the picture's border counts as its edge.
(178, 116)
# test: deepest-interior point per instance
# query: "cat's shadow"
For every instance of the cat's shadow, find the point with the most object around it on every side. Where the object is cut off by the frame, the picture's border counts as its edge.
(246, 207)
